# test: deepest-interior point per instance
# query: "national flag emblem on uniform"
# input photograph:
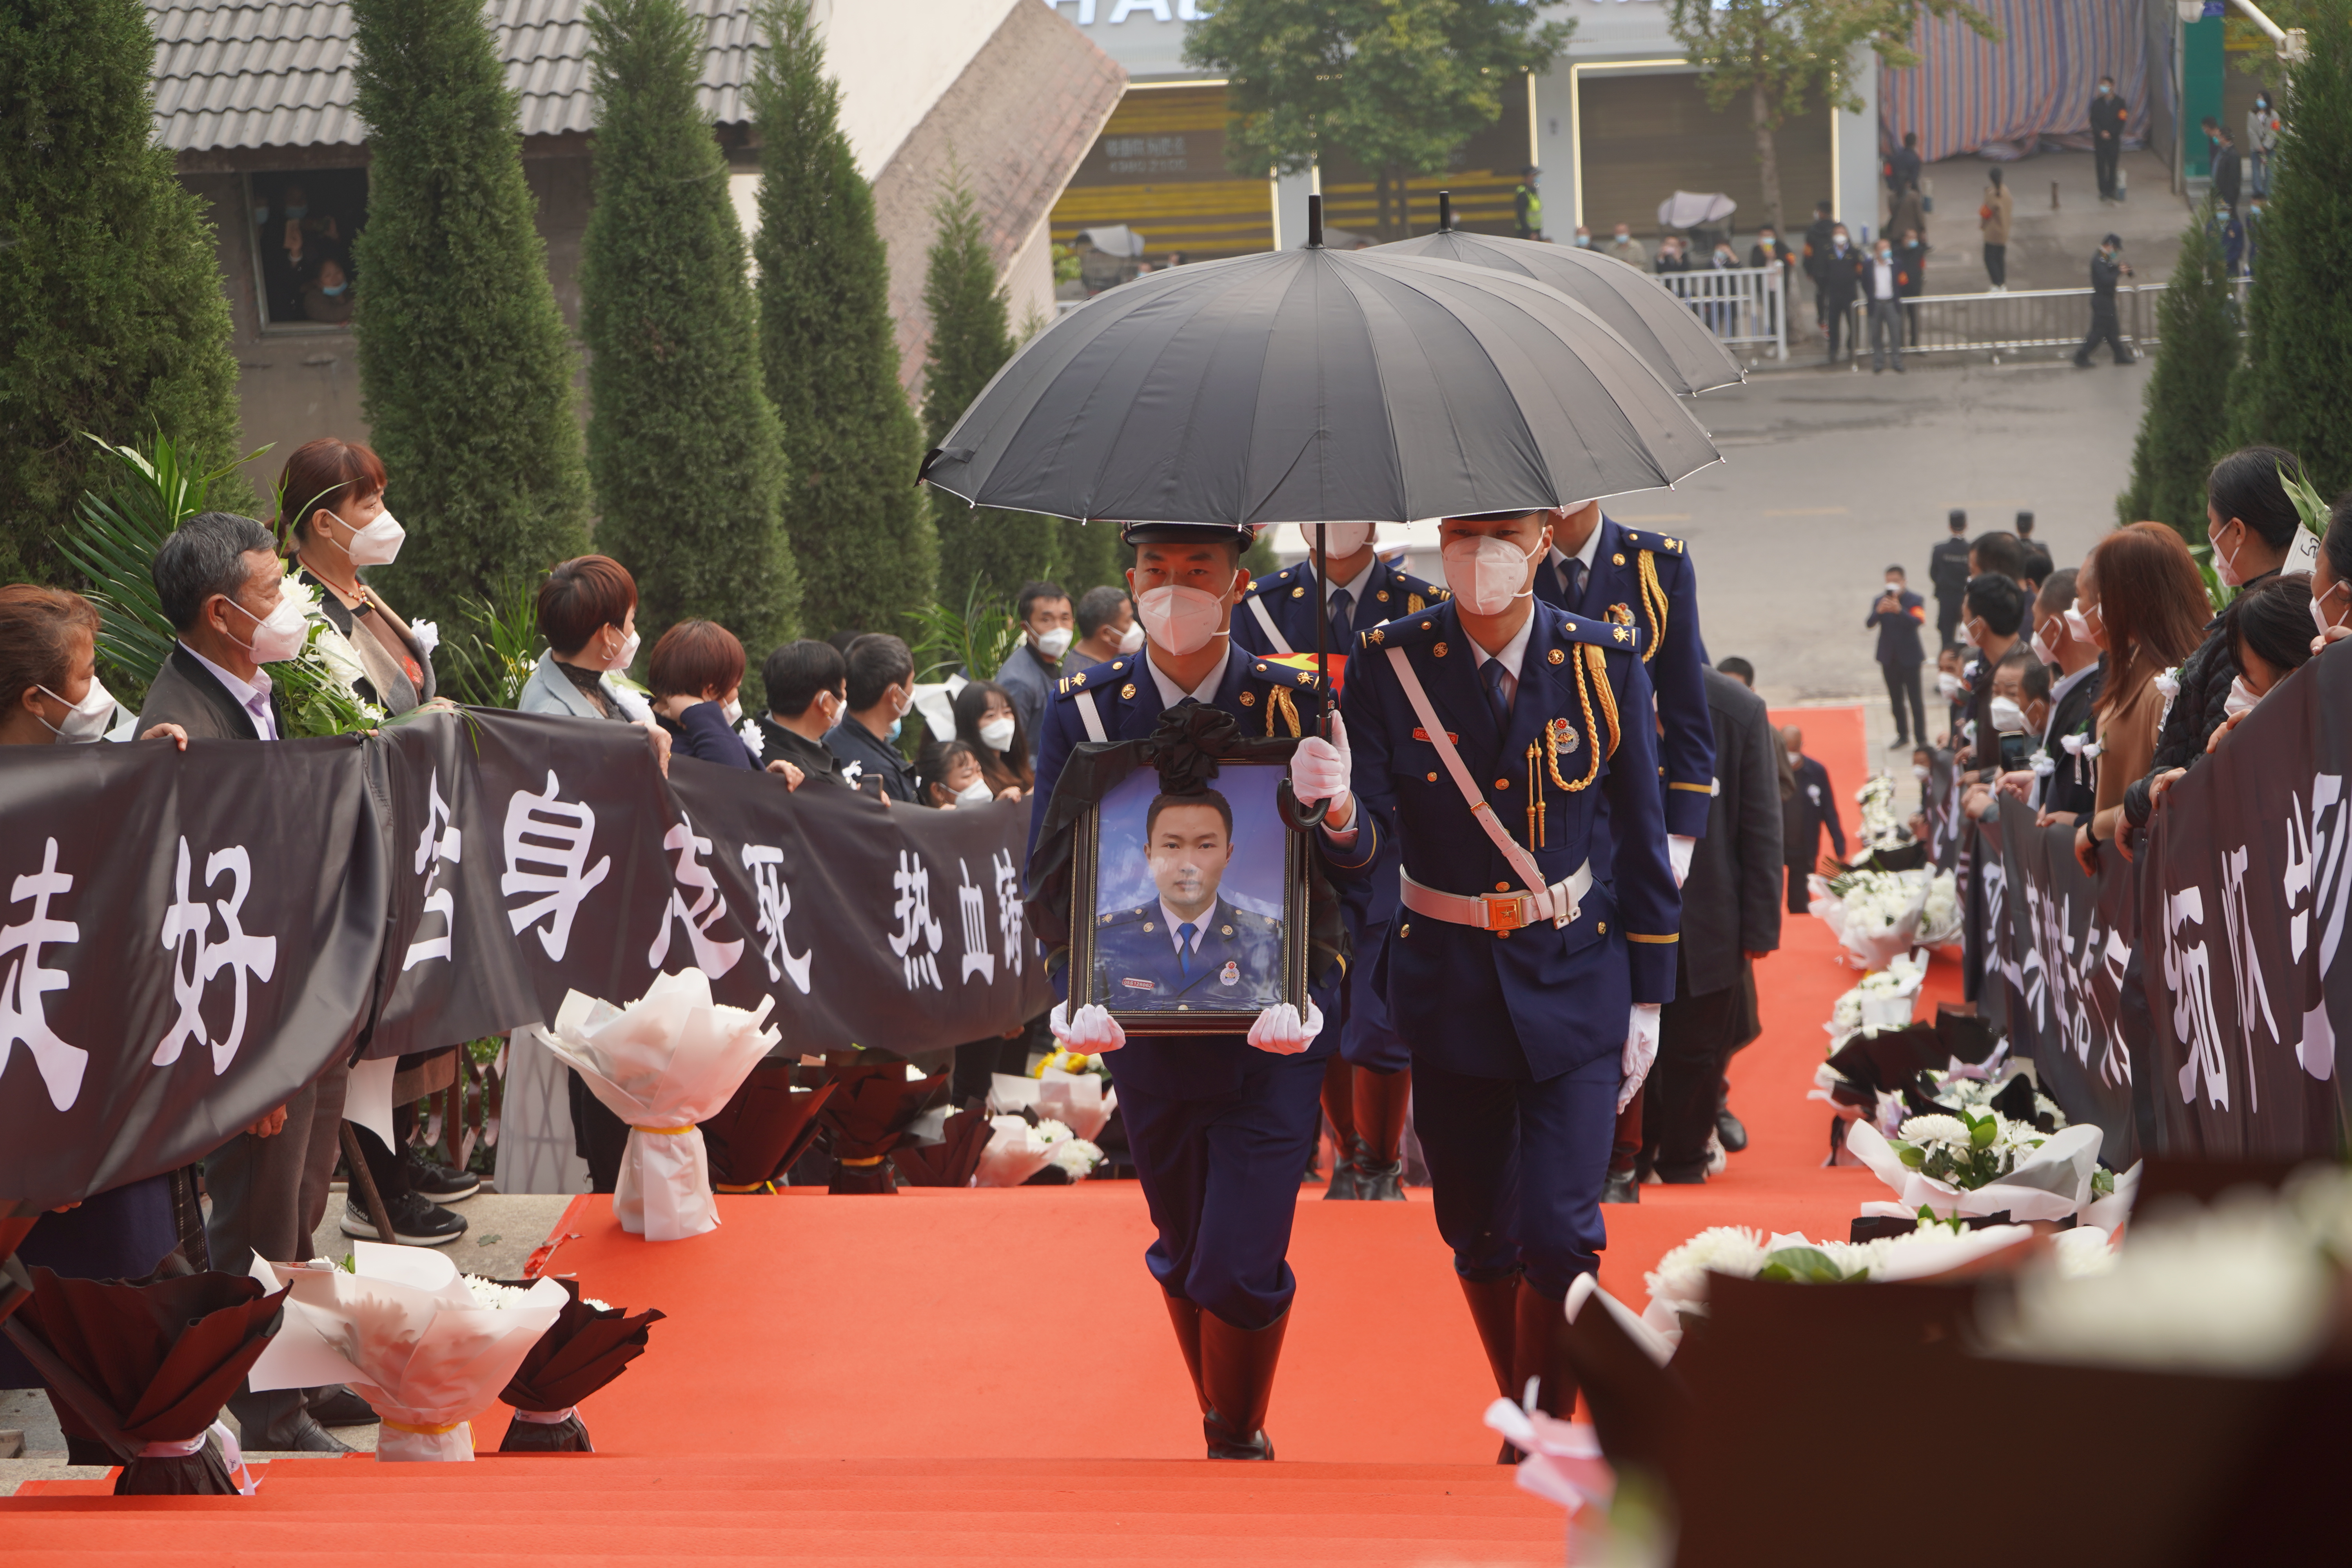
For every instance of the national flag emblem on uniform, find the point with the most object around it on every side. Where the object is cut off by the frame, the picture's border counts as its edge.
(1337, 663)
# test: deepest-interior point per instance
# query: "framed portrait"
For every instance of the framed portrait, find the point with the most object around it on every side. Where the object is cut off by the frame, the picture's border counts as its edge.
(1190, 909)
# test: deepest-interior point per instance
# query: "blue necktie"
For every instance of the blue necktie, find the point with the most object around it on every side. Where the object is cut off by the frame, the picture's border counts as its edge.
(1343, 631)
(1583, 576)
(1184, 947)
(1492, 673)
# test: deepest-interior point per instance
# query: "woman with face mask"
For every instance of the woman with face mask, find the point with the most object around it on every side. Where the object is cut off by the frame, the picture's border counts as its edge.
(947, 776)
(588, 612)
(697, 680)
(987, 720)
(2139, 596)
(332, 520)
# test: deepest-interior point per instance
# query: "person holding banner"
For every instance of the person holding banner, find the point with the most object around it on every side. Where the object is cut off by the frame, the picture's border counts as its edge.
(696, 679)
(332, 520)
(2267, 630)
(1219, 1126)
(2140, 599)
(588, 612)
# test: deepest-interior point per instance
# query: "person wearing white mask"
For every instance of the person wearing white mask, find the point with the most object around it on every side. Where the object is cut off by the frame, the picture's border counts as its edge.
(1367, 1086)
(2267, 630)
(332, 520)
(49, 690)
(1897, 615)
(948, 776)
(1509, 748)
(588, 614)
(987, 720)
(1048, 630)
(1107, 628)
(806, 683)
(696, 677)
(881, 687)
(1221, 1126)
(2059, 783)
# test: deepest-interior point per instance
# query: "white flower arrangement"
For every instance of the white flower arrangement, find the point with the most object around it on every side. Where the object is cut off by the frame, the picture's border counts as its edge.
(1876, 914)
(427, 635)
(1882, 827)
(1881, 1001)
(1679, 1285)
(2169, 683)
(2043, 763)
(1680, 1279)
(498, 1298)
(1939, 912)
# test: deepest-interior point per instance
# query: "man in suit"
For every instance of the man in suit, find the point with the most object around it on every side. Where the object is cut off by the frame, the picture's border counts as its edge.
(1947, 574)
(1533, 944)
(1188, 947)
(1368, 1085)
(1898, 615)
(1220, 1125)
(1844, 272)
(1991, 616)
(221, 585)
(1812, 808)
(1731, 917)
(2069, 786)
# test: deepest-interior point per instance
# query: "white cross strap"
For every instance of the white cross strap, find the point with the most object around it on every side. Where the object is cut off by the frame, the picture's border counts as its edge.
(1265, 622)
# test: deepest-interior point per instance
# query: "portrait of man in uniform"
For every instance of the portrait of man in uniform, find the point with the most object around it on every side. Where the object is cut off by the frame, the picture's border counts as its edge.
(1191, 948)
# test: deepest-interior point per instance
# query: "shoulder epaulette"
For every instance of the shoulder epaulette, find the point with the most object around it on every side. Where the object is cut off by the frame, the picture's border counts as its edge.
(1095, 678)
(1280, 672)
(1657, 543)
(1275, 584)
(1611, 634)
(1405, 631)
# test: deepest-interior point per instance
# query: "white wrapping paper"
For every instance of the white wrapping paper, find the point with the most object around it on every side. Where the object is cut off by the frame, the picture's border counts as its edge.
(2052, 1182)
(1079, 1100)
(662, 1064)
(405, 1333)
(1014, 1153)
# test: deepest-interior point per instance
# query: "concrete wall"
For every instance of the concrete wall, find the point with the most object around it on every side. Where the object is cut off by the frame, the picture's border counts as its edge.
(894, 59)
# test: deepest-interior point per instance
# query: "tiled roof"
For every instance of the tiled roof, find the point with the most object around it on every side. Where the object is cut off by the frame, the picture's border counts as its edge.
(237, 73)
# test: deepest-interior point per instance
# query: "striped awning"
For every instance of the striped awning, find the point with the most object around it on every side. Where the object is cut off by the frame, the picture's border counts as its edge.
(2003, 98)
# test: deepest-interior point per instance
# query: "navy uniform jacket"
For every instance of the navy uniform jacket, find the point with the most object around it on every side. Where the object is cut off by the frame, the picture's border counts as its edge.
(1237, 965)
(1624, 568)
(1266, 698)
(1898, 634)
(1290, 601)
(1565, 991)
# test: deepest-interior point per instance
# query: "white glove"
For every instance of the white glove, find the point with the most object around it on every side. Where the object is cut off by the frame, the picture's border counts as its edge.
(1641, 1050)
(1278, 1030)
(1091, 1032)
(1319, 769)
(1679, 849)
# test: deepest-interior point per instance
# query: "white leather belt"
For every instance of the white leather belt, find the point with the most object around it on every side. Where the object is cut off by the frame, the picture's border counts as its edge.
(1495, 911)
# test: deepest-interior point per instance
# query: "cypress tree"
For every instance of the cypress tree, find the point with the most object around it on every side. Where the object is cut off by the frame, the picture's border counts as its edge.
(1092, 556)
(860, 530)
(111, 317)
(683, 446)
(970, 340)
(2185, 414)
(466, 367)
(2295, 388)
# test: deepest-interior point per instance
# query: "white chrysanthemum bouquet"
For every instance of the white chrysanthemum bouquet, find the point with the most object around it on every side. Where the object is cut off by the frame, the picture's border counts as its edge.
(1678, 1286)
(1978, 1163)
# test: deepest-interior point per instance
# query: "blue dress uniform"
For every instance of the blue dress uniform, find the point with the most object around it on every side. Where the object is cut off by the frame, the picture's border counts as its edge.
(1219, 1130)
(1517, 1035)
(1366, 1088)
(1231, 959)
(1647, 581)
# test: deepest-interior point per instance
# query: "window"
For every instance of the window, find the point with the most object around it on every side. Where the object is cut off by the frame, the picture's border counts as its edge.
(303, 224)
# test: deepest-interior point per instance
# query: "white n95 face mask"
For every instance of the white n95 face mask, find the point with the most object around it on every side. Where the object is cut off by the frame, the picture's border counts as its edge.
(996, 733)
(1919, 771)
(2241, 697)
(277, 637)
(2008, 718)
(86, 720)
(1131, 639)
(1340, 540)
(2078, 625)
(2319, 611)
(1486, 573)
(733, 710)
(623, 660)
(976, 793)
(378, 543)
(1055, 643)
(1947, 684)
(1182, 620)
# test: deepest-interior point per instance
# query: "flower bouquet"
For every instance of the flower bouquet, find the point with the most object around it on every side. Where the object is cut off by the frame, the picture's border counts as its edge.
(1939, 912)
(1678, 1286)
(875, 1107)
(1874, 914)
(1969, 1164)
(951, 1162)
(1017, 1150)
(410, 1335)
(1884, 999)
(662, 1064)
(146, 1368)
(1078, 1099)
(588, 1346)
(763, 1127)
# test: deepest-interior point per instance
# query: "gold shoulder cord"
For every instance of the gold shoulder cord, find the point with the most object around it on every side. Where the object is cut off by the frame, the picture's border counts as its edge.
(1277, 701)
(1654, 600)
(1592, 666)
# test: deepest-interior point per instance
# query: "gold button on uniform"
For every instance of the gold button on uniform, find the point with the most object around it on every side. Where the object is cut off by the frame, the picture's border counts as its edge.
(1502, 784)
(1301, 592)
(1438, 649)
(1555, 656)
(1603, 927)
(1405, 929)
(1617, 560)
(1127, 692)
(1502, 887)
(1432, 778)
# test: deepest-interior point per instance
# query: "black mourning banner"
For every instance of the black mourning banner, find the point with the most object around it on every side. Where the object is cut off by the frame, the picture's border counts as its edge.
(189, 940)
(2243, 894)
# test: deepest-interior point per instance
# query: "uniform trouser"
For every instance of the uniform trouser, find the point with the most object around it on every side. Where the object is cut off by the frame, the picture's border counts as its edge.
(1693, 1037)
(1995, 265)
(1516, 1167)
(1835, 320)
(1903, 686)
(2105, 151)
(1948, 621)
(2106, 328)
(1370, 1040)
(269, 1196)
(1221, 1177)
(1886, 333)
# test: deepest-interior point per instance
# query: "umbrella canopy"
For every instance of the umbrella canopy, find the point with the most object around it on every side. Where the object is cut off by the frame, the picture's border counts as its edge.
(1691, 209)
(1317, 385)
(1670, 338)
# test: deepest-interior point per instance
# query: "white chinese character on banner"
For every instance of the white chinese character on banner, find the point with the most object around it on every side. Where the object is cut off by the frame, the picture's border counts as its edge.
(22, 1018)
(972, 904)
(2115, 957)
(713, 958)
(437, 846)
(196, 958)
(2188, 977)
(1010, 921)
(554, 837)
(916, 940)
(2246, 967)
(766, 862)
(2318, 884)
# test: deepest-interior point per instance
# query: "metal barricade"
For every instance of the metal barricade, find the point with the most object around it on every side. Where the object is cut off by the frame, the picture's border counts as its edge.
(1739, 304)
(2016, 323)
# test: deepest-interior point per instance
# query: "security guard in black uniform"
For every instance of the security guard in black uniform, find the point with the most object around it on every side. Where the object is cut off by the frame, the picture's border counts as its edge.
(1504, 745)
(1220, 1125)
(1367, 1086)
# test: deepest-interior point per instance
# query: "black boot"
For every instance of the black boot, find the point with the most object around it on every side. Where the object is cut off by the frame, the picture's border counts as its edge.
(1382, 1098)
(1538, 1334)
(1186, 1317)
(1494, 1309)
(1237, 1377)
(1339, 1106)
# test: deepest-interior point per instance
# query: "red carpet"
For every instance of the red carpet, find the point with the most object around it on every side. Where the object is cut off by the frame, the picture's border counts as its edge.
(961, 1330)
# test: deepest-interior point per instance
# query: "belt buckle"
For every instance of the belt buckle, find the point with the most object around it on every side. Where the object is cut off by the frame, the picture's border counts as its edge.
(1504, 913)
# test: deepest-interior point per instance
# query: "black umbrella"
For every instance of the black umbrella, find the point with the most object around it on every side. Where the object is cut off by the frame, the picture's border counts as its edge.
(1316, 385)
(1660, 328)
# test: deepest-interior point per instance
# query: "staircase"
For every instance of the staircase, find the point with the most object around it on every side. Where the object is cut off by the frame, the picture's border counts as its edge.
(590, 1510)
